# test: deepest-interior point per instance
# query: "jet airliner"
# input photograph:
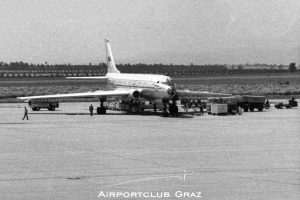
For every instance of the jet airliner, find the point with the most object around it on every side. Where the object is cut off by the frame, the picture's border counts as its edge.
(157, 89)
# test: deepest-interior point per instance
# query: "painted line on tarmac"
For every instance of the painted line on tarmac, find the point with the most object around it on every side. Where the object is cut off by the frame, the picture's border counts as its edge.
(186, 173)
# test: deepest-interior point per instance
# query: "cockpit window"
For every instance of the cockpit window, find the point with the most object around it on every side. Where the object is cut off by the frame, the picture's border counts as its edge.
(171, 82)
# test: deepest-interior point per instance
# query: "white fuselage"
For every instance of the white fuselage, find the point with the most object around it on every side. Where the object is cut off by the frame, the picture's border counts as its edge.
(150, 85)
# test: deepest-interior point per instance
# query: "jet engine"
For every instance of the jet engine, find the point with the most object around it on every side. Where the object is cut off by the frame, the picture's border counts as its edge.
(135, 94)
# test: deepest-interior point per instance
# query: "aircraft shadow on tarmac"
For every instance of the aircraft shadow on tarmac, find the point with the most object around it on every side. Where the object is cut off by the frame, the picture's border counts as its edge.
(158, 114)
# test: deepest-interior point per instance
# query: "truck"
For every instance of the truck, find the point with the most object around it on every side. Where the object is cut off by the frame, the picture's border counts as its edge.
(249, 102)
(291, 103)
(233, 103)
(36, 105)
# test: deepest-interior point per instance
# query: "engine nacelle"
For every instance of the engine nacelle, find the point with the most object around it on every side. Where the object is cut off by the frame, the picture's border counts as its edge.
(135, 94)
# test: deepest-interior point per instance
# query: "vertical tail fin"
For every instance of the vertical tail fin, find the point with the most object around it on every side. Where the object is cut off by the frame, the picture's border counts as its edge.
(111, 67)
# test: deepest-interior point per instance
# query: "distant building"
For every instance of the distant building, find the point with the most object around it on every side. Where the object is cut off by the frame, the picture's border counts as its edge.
(258, 66)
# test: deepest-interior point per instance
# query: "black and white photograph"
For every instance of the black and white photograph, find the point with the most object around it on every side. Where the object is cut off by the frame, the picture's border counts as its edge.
(149, 99)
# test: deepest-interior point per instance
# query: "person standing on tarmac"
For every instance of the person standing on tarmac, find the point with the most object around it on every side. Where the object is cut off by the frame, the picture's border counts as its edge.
(91, 108)
(200, 107)
(25, 113)
(267, 104)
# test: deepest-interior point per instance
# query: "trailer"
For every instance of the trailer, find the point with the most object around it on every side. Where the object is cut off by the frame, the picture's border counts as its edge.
(131, 106)
(231, 102)
(213, 100)
(219, 109)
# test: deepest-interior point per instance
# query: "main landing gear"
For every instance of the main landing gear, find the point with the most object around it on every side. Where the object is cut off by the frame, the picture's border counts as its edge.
(101, 110)
(154, 108)
(173, 108)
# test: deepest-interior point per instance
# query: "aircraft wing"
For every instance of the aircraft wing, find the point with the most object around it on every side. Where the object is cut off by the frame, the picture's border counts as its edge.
(88, 77)
(199, 94)
(98, 93)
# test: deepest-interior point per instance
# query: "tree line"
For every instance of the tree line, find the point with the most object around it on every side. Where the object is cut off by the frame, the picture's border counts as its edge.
(172, 70)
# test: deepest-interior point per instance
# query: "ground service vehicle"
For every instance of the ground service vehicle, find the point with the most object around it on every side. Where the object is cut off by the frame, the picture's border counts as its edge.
(233, 103)
(36, 105)
(217, 105)
(250, 102)
(219, 109)
(292, 103)
(211, 101)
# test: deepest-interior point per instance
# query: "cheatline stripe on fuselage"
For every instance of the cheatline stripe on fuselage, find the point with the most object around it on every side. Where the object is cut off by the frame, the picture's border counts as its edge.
(139, 86)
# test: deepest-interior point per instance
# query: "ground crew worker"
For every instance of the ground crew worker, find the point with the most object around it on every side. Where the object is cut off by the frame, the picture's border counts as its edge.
(165, 110)
(267, 105)
(196, 103)
(25, 113)
(191, 102)
(91, 108)
(185, 102)
(201, 108)
(165, 102)
(239, 110)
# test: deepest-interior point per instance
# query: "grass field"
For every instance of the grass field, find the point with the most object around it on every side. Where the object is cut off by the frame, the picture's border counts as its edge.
(268, 85)
(254, 85)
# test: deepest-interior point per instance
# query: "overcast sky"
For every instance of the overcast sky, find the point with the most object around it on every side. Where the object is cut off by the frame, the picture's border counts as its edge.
(151, 31)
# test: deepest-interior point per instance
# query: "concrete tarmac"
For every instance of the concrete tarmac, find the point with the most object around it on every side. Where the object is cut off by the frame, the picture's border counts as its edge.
(67, 154)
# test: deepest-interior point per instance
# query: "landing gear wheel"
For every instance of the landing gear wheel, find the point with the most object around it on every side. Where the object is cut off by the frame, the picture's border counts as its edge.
(101, 110)
(51, 108)
(165, 114)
